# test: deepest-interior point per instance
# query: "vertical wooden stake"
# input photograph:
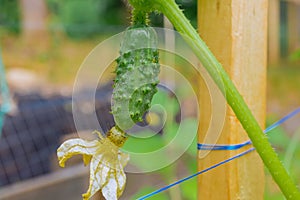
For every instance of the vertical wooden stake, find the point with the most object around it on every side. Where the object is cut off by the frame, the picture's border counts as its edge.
(34, 17)
(236, 32)
(273, 31)
(293, 28)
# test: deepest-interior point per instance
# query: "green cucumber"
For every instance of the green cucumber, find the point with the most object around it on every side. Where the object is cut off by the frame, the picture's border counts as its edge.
(136, 76)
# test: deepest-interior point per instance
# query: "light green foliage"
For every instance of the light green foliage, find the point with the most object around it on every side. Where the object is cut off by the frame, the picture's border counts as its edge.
(85, 18)
(295, 56)
(189, 188)
(80, 18)
(10, 15)
(278, 137)
(232, 95)
(170, 130)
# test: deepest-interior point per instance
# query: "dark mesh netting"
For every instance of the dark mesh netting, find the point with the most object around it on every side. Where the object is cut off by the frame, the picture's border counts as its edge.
(31, 135)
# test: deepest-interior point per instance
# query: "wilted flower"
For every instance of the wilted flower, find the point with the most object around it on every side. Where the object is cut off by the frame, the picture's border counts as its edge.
(106, 162)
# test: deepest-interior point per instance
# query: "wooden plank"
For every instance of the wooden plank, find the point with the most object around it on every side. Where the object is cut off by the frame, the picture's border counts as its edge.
(273, 31)
(236, 32)
(67, 183)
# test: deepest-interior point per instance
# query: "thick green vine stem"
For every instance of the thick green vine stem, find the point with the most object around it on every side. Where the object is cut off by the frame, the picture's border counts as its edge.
(139, 18)
(260, 141)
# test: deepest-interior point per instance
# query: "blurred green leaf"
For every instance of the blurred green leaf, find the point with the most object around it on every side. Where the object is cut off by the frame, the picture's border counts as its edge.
(190, 126)
(80, 18)
(85, 18)
(170, 130)
(144, 145)
(189, 189)
(147, 190)
(170, 104)
(187, 126)
(10, 15)
(168, 172)
(278, 136)
(295, 56)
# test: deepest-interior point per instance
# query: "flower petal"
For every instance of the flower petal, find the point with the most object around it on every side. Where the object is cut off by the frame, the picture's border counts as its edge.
(107, 174)
(121, 181)
(115, 185)
(74, 147)
(98, 176)
(110, 189)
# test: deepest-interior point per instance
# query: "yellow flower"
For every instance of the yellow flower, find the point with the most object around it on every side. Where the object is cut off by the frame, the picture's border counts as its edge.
(106, 162)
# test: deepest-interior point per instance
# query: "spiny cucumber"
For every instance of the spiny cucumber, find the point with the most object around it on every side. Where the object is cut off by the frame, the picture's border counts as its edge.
(136, 76)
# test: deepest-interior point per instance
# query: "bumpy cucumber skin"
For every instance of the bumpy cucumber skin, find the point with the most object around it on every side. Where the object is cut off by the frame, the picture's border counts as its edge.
(136, 77)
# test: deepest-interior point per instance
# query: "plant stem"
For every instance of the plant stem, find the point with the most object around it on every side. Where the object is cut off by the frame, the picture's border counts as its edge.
(139, 17)
(260, 141)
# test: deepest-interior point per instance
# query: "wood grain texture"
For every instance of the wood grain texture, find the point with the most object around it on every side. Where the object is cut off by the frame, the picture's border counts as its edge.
(236, 32)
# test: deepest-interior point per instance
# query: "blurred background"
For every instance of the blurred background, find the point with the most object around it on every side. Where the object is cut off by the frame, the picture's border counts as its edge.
(44, 42)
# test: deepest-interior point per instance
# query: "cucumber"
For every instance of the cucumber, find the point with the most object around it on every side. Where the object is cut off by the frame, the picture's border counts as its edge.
(136, 76)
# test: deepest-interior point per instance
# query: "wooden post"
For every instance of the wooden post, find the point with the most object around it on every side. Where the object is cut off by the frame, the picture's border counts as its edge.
(273, 31)
(293, 27)
(236, 32)
(34, 24)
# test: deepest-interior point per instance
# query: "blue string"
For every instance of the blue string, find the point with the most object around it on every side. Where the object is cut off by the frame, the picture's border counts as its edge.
(282, 120)
(238, 146)
(194, 175)
(4, 92)
(222, 147)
